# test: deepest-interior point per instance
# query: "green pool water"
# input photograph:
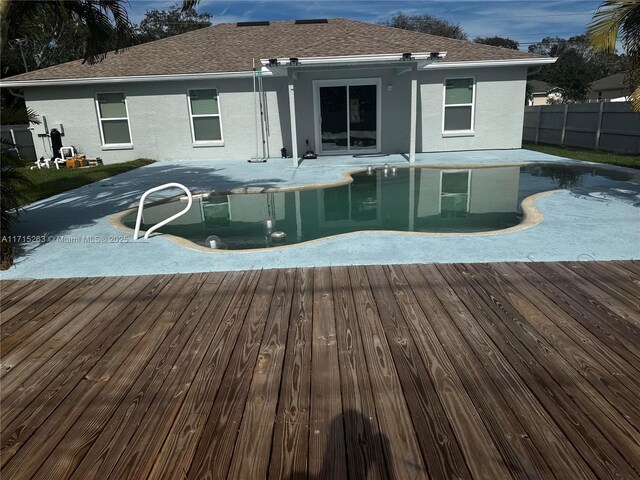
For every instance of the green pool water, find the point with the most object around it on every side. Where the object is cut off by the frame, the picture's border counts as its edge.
(397, 199)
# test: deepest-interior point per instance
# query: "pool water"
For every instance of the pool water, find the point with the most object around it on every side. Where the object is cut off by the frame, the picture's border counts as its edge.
(398, 199)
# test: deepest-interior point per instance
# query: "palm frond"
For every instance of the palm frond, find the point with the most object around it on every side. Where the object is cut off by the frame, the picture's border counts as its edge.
(611, 17)
(189, 4)
(635, 99)
(18, 115)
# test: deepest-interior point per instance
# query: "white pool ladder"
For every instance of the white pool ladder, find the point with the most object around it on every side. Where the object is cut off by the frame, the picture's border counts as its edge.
(136, 233)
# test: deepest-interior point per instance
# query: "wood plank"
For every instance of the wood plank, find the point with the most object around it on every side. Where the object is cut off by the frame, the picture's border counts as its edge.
(138, 343)
(591, 319)
(399, 438)
(29, 340)
(133, 453)
(258, 421)
(36, 301)
(603, 458)
(115, 422)
(214, 449)
(62, 369)
(326, 437)
(529, 371)
(291, 434)
(457, 406)
(364, 441)
(440, 447)
(175, 455)
(589, 295)
(600, 388)
(429, 317)
(632, 266)
(23, 325)
(13, 290)
(614, 280)
(561, 455)
(590, 286)
(617, 365)
(21, 299)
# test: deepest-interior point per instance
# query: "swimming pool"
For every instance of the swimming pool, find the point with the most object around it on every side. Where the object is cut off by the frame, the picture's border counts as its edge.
(421, 199)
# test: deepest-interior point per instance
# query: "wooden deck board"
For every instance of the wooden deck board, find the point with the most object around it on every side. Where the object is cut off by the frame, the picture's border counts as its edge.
(479, 371)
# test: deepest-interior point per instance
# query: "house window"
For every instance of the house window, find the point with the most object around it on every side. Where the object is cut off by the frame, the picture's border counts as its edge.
(454, 193)
(113, 118)
(459, 99)
(204, 109)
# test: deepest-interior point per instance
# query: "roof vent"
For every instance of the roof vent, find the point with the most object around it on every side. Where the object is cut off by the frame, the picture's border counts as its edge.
(311, 20)
(252, 24)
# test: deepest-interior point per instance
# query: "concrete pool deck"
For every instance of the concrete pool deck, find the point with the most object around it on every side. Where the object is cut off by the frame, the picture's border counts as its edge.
(73, 236)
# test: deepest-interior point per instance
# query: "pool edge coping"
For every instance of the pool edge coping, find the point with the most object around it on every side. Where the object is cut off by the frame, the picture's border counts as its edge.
(532, 216)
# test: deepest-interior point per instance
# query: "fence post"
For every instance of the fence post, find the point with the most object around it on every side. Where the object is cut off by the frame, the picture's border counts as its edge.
(599, 125)
(538, 124)
(564, 123)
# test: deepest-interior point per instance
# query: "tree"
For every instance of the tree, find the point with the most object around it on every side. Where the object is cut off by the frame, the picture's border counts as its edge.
(106, 21)
(158, 24)
(426, 24)
(578, 65)
(107, 28)
(620, 19)
(13, 181)
(498, 42)
(572, 76)
(39, 42)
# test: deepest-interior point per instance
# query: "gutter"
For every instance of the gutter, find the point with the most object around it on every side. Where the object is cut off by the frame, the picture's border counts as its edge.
(128, 79)
(274, 67)
(491, 63)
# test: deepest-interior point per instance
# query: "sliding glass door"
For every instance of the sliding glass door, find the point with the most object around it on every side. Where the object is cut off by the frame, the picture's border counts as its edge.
(348, 115)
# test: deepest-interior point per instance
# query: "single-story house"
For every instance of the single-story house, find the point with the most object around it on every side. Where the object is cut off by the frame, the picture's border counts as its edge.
(339, 86)
(542, 93)
(610, 89)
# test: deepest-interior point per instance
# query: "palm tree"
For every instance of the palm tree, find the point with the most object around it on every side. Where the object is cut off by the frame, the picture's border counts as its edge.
(107, 21)
(620, 19)
(13, 180)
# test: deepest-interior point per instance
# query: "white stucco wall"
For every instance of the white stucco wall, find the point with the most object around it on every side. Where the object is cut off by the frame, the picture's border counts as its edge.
(159, 119)
(499, 109)
(160, 126)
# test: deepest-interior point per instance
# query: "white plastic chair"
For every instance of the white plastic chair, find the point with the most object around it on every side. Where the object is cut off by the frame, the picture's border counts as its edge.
(46, 162)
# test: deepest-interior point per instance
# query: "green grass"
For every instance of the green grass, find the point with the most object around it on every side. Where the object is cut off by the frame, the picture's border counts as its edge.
(47, 182)
(619, 159)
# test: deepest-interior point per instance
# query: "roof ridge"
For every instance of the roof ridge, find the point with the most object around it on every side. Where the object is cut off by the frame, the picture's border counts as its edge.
(450, 39)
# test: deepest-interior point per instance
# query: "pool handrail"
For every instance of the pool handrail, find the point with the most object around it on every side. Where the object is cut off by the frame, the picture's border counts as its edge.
(136, 232)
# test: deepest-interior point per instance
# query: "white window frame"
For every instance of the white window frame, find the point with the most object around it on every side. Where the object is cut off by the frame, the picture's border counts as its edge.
(347, 82)
(459, 133)
(205, 143)
(456, 170)
(113, 146)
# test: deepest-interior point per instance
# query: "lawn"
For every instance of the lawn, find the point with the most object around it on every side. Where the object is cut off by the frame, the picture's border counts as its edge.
(49, 181)
(619, 159)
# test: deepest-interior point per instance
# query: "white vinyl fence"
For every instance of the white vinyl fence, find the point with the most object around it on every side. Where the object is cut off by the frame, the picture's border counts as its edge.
(611, 126)
(20, 135)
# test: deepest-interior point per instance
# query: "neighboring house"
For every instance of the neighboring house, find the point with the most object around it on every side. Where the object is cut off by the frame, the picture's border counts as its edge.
(542, 93)
(346, 87)
(610, 89)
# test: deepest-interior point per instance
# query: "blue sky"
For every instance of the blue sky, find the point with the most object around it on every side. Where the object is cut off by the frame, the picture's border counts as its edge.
(524, 21)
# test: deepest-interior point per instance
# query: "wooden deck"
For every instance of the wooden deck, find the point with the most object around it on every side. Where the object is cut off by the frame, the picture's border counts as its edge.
(493, 371)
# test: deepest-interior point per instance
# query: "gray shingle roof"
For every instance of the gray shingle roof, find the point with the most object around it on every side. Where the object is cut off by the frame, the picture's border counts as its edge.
(612, 82)
(230, 48)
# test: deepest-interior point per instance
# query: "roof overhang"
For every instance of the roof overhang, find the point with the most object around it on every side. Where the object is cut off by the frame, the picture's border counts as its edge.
(530, 62)
(423, 61)
(128, 79)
